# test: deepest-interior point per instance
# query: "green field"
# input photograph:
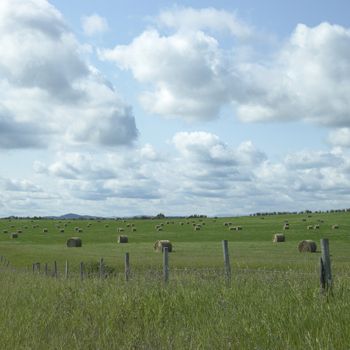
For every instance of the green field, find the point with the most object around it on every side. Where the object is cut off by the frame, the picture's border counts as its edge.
(273, 301)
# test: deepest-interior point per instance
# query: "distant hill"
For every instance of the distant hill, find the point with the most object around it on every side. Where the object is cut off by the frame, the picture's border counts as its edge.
(72, 216)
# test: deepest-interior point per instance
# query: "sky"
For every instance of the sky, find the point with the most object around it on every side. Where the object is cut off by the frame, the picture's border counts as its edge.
(193, 107)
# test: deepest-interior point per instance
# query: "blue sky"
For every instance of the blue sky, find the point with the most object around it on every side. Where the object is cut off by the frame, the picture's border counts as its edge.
(224, 108)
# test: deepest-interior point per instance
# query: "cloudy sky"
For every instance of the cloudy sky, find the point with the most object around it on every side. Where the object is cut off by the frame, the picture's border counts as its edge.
(128, 108)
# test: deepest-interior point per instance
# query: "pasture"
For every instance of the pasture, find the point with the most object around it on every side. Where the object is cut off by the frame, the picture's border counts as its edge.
(273, 300)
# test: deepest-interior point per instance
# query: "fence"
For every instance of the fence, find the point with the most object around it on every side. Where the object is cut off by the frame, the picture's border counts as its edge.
(99, 270)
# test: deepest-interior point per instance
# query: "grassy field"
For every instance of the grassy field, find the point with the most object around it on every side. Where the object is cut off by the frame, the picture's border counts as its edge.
(273, 301)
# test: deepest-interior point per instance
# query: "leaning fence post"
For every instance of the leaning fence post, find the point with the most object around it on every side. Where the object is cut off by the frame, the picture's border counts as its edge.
(127, 267)
(101, 268)
(66, 271)
(165, 264)
(325, 262)
(226, 261)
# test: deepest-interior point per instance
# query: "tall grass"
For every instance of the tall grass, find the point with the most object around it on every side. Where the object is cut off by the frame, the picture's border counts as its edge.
(194, 311)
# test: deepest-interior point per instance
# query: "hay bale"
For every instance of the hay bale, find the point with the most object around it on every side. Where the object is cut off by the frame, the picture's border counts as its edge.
(316, 227)
(279, 237)
(159, 229)
(238, 228)
(74, 242)
(62, 230)
(161, 244)
(231, 228)
(14, 235)
(123, 239)
(335, 227)
(307, 246)
(5, 231)
(45, 230)
(310, 227)
(80, 230)
(133, 229)
(286, 226)
(197, 228)
(120, 229)
(19, 231)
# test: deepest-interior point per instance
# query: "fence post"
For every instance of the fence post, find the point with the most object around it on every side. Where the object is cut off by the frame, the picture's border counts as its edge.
(127, 267)
(66, 270)
(81, 270)
(101, 268)
(325, 262)
(226, 261)
(55, 269)
(165, 264)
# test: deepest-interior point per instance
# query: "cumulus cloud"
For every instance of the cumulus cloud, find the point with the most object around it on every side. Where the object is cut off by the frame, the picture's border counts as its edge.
(193, 73)
(309, 79)
(17, 185)
(42, 65)
(187, 18)
(20, 134)
(187, 70)
(340, 137)
(94, 24)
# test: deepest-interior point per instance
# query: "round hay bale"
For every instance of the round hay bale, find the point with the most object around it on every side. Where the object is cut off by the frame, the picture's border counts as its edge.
(74, 242)
(279, 237)
(335, 227)
(133, 229)
(120, 229)
(5, 231)
(238, 228)
(231, 228)
(316, 227)
(62, 230)
(197, 228)
(123, 239)
(310, 227)
(286, 226)
(19, 231)
(14, 235)
(307, 246)
(161, 244)
(159, 229)
(45, 230)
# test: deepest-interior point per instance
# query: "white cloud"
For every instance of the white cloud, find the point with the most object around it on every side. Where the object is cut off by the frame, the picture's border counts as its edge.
(94, 24)
(61, 96)
(340, 137)
(309, 80)
(188, 73)
(190, 19)
(191, 73)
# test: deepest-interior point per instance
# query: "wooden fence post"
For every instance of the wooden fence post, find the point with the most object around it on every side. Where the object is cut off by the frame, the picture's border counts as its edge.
(101, 268)
(127, 267)
(81, 270)
(325, 269)
(55, 269)
(226, 261)
(165, 264)
(66, 269)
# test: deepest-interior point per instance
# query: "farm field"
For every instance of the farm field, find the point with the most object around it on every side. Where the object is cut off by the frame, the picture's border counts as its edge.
(273, 300)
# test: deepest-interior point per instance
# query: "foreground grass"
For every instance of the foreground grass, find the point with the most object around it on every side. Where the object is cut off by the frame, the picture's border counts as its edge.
(258, 311)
